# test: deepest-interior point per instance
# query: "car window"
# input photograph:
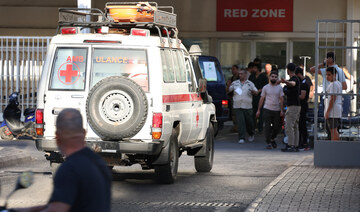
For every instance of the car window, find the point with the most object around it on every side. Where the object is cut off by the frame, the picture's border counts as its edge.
(190, 76)
(69, 69)
(179, 66)
(131, 63)
(167, 64)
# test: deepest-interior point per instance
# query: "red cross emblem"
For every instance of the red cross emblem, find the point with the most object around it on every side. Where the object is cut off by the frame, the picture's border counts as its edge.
(71, 75)
(197, 118)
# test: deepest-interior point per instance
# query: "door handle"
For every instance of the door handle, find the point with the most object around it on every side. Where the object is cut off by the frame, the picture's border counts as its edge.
(77, 96)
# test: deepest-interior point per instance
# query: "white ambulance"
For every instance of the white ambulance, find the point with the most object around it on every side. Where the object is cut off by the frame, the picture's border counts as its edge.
(141, 99)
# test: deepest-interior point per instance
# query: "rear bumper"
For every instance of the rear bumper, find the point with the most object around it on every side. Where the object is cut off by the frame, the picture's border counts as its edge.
(127, 147)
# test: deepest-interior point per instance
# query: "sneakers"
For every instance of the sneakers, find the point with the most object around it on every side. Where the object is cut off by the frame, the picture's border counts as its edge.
(251, 138)
(290, 149)
(241, 141)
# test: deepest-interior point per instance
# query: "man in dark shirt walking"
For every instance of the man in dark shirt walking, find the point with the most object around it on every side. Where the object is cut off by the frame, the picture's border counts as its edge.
(304, 97)
(260, 79)
(293, 109)
(83, 181)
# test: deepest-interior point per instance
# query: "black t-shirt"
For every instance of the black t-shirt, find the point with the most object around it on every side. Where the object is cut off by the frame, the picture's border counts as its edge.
(84, 182)
(293, 92)
(259, 83)
(304, 86)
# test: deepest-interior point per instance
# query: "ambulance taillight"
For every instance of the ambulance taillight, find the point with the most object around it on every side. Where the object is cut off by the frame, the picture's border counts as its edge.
(39, 122)
(156, 125)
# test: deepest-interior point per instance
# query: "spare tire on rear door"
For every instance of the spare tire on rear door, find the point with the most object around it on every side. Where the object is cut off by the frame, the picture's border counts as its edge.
(116, 108)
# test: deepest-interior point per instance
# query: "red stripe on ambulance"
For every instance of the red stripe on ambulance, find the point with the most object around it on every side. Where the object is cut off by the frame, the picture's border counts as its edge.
(181, 98)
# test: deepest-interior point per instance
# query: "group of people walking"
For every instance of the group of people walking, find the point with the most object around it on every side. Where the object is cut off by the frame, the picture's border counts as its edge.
(263, 100)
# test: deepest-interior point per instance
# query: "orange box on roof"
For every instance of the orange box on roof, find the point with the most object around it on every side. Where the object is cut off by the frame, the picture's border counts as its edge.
(131, 13)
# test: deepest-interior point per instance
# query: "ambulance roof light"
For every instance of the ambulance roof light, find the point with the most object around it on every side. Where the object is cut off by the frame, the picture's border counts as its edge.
(69, 30)
(140, 32)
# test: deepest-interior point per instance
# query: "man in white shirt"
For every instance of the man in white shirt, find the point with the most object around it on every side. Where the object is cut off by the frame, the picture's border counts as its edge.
(242, 105)
(333, 110)
(340, 76)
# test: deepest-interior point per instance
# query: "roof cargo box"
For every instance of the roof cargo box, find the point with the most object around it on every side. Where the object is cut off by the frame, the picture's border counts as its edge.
(139, 12)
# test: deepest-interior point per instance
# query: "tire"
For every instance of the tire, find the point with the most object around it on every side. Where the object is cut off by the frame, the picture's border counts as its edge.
(4, 133)
(218, 128)
(166, 174)
(54, 167)
(116, 108)
(205, 163)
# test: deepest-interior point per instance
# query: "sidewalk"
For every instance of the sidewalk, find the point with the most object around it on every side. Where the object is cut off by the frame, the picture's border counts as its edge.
(303, 187)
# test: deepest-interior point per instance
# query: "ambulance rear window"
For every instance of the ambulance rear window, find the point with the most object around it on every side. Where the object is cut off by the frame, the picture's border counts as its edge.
(69, 69)
(131, 63)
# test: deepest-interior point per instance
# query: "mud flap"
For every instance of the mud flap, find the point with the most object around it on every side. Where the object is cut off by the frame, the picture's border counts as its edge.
(163, 156)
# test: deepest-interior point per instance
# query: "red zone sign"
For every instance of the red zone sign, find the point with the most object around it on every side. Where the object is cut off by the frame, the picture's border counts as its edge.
(254, 15)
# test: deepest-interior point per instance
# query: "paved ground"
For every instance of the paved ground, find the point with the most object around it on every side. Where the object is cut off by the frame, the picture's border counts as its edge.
(301, 187)
(304, 187)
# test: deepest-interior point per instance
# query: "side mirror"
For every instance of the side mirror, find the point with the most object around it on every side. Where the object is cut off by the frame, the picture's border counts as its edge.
(202, 85)
(25, 180)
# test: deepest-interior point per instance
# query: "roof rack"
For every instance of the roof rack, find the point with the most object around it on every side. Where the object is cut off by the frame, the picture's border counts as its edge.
(119, 15)
(123, 15)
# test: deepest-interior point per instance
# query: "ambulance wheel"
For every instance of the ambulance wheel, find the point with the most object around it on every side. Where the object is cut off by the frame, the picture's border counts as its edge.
(116, 108)
(54, 167)
(5, 133)
(166, 174)
(205, 163)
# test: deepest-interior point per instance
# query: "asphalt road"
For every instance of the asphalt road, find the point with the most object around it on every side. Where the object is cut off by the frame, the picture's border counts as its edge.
(239, 174)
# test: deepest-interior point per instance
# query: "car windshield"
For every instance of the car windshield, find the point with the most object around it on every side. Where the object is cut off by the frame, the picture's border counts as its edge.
(210, 70)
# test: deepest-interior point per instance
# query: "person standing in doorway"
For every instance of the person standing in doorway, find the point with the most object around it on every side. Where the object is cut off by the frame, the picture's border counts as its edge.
(242, 105)
(293, 109)
(273, 96)
(259, 79)
(234, 77)
(304, 97)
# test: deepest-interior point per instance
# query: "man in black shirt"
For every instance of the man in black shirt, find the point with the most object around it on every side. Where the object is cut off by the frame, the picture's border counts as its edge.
(83, 181)
(304, 97)
(260, 79)
(293, 109)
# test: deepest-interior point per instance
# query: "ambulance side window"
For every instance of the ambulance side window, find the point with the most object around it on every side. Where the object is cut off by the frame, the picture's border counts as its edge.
(69, 69)
(167, 65)
(190, 76)
(179, 66)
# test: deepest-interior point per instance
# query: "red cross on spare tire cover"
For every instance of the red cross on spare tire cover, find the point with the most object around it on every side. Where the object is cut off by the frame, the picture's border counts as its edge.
(116, 108)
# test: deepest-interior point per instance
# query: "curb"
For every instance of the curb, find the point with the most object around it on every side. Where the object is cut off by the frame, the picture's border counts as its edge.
(252, 207)
(12, 160)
